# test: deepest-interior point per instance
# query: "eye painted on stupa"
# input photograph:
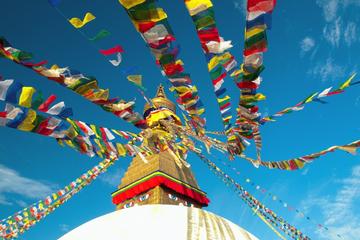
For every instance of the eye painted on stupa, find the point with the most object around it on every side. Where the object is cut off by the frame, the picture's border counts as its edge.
(129, 205)
(173, 197)
(144, 197)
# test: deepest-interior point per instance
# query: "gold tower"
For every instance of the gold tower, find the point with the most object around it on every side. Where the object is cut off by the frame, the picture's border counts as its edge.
(160, 180)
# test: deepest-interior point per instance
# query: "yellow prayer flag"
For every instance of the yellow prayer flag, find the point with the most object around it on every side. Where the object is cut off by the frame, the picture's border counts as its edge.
(130, 3)
(347, 82)
(220, 100)
(311, 98)
(196, 6)
(237, 72)
(227, 118)
(348, 149)
(253, 31)
(27, 124)
(121, 149)
(180, 62)
(78, 23)
(260, 97)
(299, 163)
(213, 63)
(26, 96)
(136, 79)
(225, 57)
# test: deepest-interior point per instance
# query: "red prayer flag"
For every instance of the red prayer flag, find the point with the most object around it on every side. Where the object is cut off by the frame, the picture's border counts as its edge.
(257, 48)
(209, 35)
(171, 69)
(45, 105)
(145, 26)
(116, 49)
(250, 85)
(261, 5)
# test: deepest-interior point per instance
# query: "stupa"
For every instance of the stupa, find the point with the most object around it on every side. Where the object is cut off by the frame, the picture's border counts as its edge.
(158, 197)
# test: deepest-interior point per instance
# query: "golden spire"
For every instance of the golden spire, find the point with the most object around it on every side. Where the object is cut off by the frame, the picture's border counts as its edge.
(161, 100)
(160, 92)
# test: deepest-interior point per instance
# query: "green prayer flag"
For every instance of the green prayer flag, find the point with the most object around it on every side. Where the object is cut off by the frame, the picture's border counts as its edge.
(102, 34)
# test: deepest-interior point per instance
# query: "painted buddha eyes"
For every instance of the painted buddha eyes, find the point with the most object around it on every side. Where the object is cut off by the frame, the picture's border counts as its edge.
(173, 197)
(144, 197)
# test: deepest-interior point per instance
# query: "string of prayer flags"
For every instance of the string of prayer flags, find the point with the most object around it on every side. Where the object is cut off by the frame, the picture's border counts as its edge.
(220, 63)
(274, 197)
(16, 224)
(314, 97)
(14, 92)
(300, 162)
(151, 22)
(77, 82)
(271, 217)
(100, 35)
(85, 138)
(78, 23)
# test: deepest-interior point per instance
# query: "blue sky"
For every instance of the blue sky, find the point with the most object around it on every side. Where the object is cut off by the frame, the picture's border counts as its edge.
(313, 45)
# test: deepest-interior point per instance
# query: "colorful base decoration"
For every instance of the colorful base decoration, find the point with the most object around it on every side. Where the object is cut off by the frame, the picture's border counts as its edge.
(157, 179)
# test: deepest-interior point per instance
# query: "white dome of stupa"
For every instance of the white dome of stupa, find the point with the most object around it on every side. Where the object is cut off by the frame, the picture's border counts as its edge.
(160, 222)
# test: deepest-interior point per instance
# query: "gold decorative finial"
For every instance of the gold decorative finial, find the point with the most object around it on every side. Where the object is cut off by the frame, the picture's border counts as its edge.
(161, 100)
(160, 92)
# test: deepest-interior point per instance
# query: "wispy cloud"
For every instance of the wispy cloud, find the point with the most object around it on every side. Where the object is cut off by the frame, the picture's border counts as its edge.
(306, 45)
(240, 5)
(339, 212)
(330, 8)
(64, 227)
(350, 33)
(11, 182)
(112, 177)
(327, 70)
(334, 30)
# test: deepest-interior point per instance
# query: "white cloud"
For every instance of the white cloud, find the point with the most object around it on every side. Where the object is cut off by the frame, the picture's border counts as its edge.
(64, 227)
(357, 101)
(112, 177)
(21, 203)
(12, 182)
(327, 70)
(307, 44)
(334, 29)
(305, 171)
(330, 8)
(240, 5)
(332, 32)
(339, 212)
(350, 33)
